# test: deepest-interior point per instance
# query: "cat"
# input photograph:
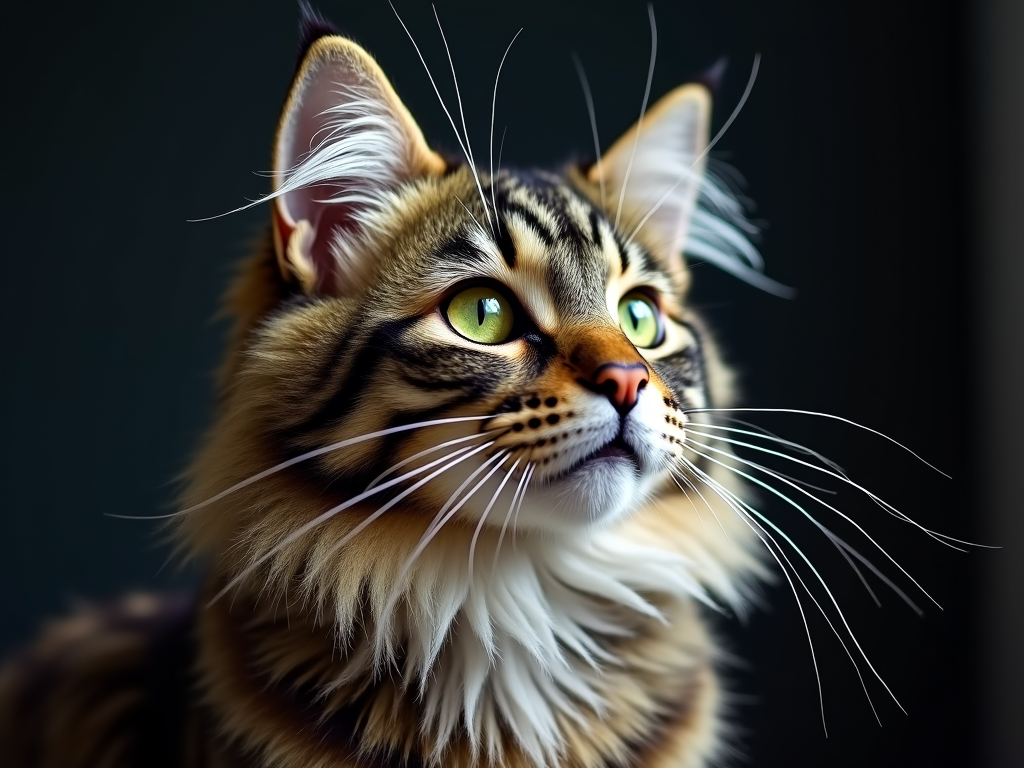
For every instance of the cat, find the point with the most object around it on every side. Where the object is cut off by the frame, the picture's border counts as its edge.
(461, 503)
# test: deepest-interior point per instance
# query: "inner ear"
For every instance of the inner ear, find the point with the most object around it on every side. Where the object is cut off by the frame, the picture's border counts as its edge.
(653, 173)
(343, 143)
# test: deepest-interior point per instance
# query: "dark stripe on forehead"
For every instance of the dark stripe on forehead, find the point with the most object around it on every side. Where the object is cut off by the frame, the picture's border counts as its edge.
(529, 218)
(459, 249)
(595, 229)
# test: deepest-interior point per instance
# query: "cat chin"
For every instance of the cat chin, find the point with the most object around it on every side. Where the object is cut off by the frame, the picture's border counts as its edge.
(601, 491)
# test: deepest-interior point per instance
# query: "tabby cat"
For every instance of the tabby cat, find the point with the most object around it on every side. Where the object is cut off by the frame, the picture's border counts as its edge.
(461, 503)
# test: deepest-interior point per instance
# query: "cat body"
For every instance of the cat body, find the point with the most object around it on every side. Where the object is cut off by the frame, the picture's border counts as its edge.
(448, 505)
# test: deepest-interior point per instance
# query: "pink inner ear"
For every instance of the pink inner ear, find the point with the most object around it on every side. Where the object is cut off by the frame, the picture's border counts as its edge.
(312, 121)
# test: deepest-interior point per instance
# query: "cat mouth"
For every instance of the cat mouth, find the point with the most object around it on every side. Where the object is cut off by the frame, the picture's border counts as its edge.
(612, 451)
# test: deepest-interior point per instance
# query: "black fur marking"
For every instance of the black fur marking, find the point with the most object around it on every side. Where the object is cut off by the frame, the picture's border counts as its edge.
(459, 249)
(527, 217)
(595, 229)
(506, 244)
(362, 369)
(312, 26)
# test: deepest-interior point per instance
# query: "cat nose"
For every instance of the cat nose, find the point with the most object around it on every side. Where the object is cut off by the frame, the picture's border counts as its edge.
(621, 383)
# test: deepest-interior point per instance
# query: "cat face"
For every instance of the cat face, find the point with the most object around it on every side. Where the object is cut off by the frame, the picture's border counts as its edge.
(573, 340)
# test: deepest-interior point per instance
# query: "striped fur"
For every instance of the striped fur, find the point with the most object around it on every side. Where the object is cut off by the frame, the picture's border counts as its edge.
(562, 630)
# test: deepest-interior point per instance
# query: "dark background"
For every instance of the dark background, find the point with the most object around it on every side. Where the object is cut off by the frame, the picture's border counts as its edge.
(860, 144)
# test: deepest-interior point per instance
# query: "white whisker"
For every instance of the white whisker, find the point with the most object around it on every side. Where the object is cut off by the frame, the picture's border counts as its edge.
(304, 457)
(462, 116)
(475, 219)
(593, 121)
(822, 415)
(643, 109)
(439, 522)
(466, 452)
(458, 137)
(508, 515)
(750, 522)
(765, 434)
(487, 510)
(515, 517)
(889, 508)
(710, 508)
(421, 454)
(805, 513)
(494, 104)
(810, 565)
(810, 594)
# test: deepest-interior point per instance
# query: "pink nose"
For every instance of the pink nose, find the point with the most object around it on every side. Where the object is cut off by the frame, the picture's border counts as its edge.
(622, 383)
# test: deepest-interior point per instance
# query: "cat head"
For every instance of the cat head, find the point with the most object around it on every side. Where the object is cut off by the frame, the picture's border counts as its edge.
(430, 344)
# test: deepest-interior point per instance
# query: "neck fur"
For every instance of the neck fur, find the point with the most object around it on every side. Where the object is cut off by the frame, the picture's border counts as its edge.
(514, 653)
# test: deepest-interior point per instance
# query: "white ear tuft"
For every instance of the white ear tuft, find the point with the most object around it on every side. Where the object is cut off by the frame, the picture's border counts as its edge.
(343, 143)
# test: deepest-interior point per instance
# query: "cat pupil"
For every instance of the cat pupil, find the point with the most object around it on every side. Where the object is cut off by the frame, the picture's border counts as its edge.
(485, 307)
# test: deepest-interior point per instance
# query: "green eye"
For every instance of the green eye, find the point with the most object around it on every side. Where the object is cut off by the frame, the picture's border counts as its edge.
(481, 314)
(640, 319)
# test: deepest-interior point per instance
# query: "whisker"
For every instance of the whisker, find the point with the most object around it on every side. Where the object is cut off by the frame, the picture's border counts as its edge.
(475, 219)
(765, 434)
(824, 416)
(423, 453)
(803, 511)
(458, 137)
(856, 666)
(838, 542)
(699, 515)
(515, 517)
(593, 121)
(304, 457)
(487, 510)
(643, 109)
(527, 470)
(462, 115)
(810, 565)
(710, 508)
(501, 148)
(889, 508)
(465, 452)
(439, 522)
(494, 104)
(768, 435)
(750, 522)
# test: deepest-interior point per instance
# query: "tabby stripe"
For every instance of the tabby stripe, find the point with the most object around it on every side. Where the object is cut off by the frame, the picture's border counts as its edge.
(595, 229)
(459, 249)
(357, 377)
(530, 219)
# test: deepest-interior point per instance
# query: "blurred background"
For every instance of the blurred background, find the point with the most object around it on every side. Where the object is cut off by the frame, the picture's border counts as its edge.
(880, 143)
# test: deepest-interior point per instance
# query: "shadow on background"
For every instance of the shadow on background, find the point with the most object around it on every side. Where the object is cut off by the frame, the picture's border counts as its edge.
(858, 144)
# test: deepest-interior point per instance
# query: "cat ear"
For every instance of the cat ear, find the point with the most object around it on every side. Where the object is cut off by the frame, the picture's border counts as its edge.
(660, 167)
(343, 142)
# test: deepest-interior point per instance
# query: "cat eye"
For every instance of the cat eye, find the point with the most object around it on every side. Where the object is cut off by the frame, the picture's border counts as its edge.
(481, 314)
(640, 319)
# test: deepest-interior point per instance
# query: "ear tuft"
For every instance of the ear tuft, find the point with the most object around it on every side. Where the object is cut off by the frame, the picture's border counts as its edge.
(312, 26)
